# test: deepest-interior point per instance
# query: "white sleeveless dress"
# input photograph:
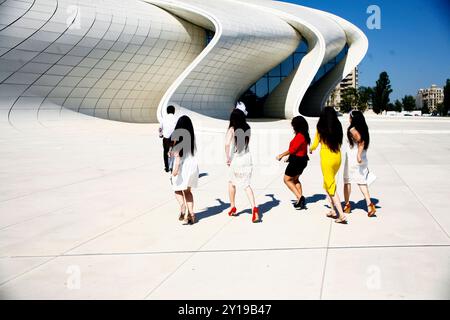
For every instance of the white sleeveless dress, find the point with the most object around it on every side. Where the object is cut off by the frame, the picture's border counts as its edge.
(188, 174)
(354, 172)
(241, 167)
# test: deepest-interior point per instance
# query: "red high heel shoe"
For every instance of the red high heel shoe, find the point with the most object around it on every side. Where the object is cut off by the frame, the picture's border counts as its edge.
(255, 217)
(232, 212)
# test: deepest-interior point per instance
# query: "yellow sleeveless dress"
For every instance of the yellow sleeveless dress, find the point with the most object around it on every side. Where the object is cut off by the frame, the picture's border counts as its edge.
(330, 163)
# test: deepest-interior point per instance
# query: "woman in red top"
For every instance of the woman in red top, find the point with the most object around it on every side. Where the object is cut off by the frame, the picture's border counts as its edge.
(298, 159)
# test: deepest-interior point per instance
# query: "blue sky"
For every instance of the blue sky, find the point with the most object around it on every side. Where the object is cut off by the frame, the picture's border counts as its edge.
(413, 44)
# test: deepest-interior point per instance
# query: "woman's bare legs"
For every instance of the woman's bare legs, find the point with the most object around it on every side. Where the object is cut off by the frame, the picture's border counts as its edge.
(189, 201)
(180, 198)
(232, 193)
(291, 184)
(332, 212)
(365, 191)
(347, 192)
(189, 197)
(337, 204)
(298, 185)
(250, 196)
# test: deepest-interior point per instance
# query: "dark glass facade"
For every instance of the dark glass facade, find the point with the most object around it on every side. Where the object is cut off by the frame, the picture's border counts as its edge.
(255, 97)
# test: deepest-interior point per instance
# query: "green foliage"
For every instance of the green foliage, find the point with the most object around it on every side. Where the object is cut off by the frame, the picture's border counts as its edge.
(440, 109)
(381, 93)
(349, 100)
(364, 98)
(409, 103)
(355, 99)
(425, 108)
(398, 106)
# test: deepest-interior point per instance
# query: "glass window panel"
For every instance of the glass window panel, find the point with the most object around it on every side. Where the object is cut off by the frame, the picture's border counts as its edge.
(287, 67)
(275, 72)
(303, 47)
(262, 87)
(273, 83)
(297, 58)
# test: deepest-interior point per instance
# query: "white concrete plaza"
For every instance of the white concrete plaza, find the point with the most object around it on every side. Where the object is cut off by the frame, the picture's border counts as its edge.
(86, 212)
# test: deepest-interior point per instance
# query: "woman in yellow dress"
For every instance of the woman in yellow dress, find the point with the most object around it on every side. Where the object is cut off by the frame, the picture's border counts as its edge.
(330, 135)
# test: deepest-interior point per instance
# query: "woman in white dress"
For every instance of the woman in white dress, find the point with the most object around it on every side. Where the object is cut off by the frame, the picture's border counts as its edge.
(239, 161)
(356, 169)
(185, 169)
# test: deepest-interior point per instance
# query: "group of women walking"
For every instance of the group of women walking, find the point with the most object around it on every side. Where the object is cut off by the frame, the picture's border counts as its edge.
(329, 136)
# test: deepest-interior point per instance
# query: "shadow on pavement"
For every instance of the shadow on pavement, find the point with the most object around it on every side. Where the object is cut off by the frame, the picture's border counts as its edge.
(264, 207)
(212, 211)
(315, 198)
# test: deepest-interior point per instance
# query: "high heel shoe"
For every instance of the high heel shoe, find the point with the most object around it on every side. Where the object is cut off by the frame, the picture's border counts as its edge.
(372, 210)
(255, 216)
(348, 208)
(301, 204)
(331, 214)
(192, 219)
(189, 219)
(341, 220)
(232, 212)
(186, 220)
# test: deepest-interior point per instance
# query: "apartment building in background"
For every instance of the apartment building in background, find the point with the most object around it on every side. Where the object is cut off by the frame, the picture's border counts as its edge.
(351, 81)
(430, 97)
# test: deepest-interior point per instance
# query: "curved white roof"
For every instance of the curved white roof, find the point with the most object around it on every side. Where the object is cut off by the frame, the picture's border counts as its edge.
(126, 60)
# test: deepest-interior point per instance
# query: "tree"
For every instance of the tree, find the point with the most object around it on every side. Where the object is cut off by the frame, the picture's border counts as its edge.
(349, 100)
(446, 106)
(398, 106)
(425, 108)
(409, 103)
(440, 109)
(390, 107)
(381, 93)
(364, 98)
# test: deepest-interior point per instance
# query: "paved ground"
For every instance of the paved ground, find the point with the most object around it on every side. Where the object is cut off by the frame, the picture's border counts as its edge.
(86, 211)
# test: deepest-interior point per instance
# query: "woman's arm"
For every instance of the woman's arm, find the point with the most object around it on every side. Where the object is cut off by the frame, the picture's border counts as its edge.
(176, 165)
(360, 151)
(228, 139)
(284, 154)
(315, 143)
(355, 134)
(357, 137)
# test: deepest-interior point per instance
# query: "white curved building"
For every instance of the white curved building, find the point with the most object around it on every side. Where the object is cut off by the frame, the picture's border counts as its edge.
(126, 60)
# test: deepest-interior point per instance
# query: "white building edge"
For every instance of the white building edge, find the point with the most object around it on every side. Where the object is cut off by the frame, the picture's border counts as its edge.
(126, 60)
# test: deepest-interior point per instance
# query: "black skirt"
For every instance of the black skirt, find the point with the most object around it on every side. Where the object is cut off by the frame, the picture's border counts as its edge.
(296, 165)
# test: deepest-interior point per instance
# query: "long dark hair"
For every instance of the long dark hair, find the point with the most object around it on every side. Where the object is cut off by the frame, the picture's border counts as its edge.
(238, 121)
(359, 123)
(184, 129)
(300, 125)
(330, 129)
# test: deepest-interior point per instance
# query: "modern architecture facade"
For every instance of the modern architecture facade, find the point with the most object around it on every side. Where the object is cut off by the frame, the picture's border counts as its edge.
(126, 60)
(430, 97)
